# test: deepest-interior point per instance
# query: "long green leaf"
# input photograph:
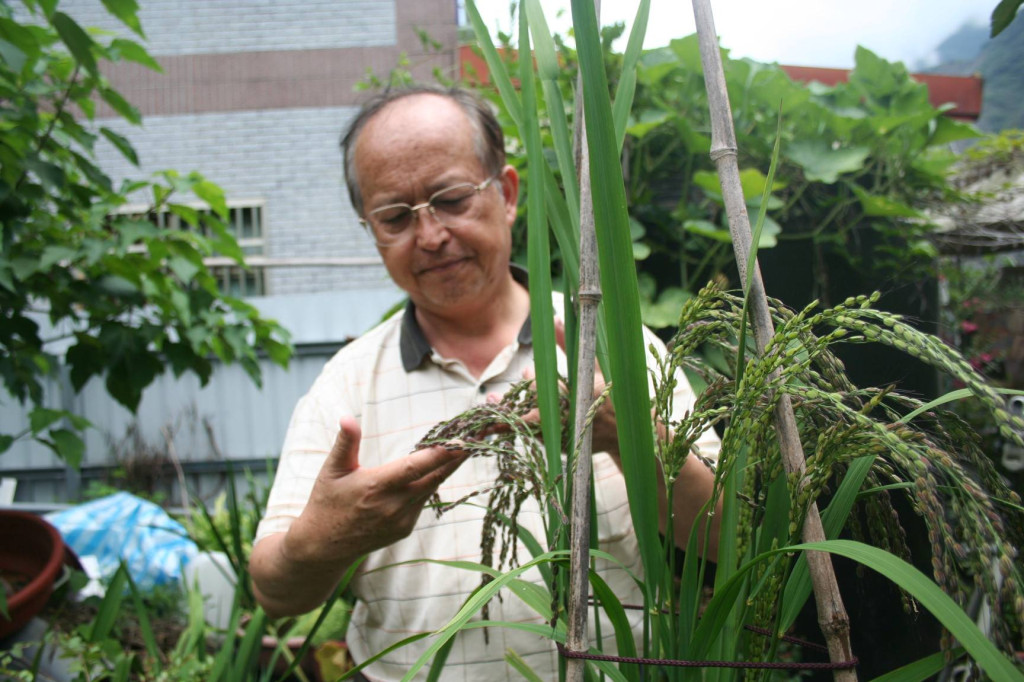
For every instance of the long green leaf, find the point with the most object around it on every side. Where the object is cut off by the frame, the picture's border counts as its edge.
(549, 72)
(110, 607)
(627, 79)
(517, 663)
(496, 67)
(833, 518)
(921, 669)
(437, 665)
(475, 602)
(145, 627)
(931, 597)
(917, 584)
(545, 359)
(612, 608)
(950, 397)
(626, 365)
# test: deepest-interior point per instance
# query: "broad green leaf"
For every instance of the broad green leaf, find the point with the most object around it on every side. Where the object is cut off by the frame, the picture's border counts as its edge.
(13, 57)
(133, 52)
(126, 11)
(132, 230)
(52, 255)
(708, 229)
(184, 268)
(23, 38)
(646, 121)
(77, 41)
(665, 311)
(6, 281)
(122, 144)
(949, 130)
(882, 206)
(1003, 14)
(754, 182)
(212, 195)
(121, 106)
(708, 181)
(50, 174)
(820, 162)
(40, 418)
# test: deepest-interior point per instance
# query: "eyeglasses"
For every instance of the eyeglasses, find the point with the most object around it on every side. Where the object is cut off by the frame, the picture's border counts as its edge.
(454, 207)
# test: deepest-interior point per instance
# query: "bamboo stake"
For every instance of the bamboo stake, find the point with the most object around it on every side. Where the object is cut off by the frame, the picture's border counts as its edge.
(589, 295)
(832, 617)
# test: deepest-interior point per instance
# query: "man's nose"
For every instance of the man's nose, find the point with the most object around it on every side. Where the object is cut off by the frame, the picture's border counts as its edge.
(430, 231)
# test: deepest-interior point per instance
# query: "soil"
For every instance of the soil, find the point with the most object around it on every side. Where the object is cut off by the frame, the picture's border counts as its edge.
(66, 615)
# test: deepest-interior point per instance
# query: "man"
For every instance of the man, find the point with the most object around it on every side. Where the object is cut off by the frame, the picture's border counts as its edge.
(426, 172)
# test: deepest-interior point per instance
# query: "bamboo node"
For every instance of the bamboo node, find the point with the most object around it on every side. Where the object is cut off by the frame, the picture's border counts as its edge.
(722, 152)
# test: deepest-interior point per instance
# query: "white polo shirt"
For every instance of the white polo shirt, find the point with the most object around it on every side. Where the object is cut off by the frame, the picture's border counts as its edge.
(397, 387)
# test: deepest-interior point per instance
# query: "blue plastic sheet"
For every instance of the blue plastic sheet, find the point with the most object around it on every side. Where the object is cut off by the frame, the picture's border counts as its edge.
(123, 527)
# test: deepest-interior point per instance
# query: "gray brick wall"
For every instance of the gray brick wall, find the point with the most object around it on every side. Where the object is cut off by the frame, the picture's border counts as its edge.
(176, 27)
(289, 159)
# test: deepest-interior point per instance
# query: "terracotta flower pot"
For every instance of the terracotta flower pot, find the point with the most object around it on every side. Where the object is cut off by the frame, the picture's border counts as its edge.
(31, 556)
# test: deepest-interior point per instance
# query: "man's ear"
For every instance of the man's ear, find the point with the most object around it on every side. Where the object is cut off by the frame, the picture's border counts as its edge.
(509, 179)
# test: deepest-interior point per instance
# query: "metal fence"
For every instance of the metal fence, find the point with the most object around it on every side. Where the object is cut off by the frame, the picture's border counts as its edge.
(184, 434)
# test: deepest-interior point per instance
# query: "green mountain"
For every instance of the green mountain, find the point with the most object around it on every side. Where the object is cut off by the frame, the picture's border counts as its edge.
(999, 60)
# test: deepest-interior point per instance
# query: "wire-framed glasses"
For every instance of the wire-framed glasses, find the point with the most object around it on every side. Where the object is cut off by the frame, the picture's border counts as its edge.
(454, 207)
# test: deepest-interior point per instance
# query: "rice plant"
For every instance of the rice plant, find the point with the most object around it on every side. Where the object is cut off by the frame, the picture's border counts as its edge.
(863, 445)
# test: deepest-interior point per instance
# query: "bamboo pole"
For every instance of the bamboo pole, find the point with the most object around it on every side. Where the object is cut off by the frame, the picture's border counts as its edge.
(589, 296)
(832, 617)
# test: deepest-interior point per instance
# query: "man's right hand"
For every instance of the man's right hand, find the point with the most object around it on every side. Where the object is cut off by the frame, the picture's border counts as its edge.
(352, 510)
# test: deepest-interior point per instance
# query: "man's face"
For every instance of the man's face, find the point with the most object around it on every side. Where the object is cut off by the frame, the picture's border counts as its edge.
(414, 147)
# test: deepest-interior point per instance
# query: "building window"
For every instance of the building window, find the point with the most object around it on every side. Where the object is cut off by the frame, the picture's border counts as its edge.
(245, 223)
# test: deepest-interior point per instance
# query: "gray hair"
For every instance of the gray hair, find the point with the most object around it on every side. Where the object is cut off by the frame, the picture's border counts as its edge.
(489, 139)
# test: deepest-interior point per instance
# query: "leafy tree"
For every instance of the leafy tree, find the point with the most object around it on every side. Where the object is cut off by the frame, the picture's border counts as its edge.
(857, 160)
(83, 283)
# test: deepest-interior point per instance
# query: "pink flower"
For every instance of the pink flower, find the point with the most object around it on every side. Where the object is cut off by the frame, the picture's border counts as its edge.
(968, 327)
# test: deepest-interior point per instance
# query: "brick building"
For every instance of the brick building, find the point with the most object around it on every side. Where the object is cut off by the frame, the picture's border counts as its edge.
(254, 95)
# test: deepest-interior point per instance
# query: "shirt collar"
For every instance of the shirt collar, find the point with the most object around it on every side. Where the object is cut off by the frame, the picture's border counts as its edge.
(414, 346)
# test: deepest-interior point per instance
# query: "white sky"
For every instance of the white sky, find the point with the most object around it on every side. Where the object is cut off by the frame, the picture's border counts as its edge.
(801, 32)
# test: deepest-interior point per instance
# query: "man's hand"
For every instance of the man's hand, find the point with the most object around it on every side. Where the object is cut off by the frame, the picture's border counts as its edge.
(693, 487)
(352, 510)
(604, 431)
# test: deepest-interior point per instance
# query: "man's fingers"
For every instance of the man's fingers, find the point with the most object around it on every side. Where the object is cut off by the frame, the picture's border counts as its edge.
(426, 467)
(343, 458)
(560, 334)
